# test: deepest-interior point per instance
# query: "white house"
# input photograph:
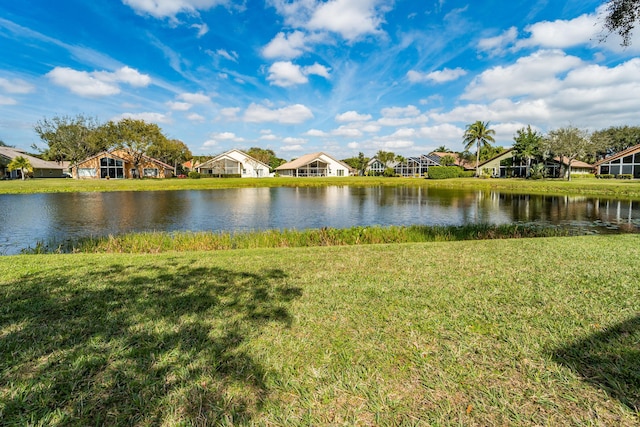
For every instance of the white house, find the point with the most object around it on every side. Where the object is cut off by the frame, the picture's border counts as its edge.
(315, 164)
(234, 162)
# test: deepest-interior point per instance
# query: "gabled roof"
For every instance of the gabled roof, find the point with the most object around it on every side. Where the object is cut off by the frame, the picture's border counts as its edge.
(618, 155)
(574, 164)
(120, 157)
(227, 154)
(497, 156)
(308, 158)
(36, 163)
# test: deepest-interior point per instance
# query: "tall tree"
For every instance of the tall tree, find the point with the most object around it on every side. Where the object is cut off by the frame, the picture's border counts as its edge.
(135, 137)
(568, 144)
(616, 139)
(358, 163)
(70, 138)
(621, 17)
(480, 135)
(170, 151)
(385, 157)
(526, 146)
(442, 149)
(22, 164)
(266, 156)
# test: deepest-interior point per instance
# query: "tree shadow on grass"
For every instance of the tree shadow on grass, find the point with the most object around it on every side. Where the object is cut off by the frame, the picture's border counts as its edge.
(125, 344)
(609, 360)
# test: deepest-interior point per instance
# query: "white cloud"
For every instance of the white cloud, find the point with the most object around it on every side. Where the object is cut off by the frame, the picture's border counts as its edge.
(147, 117)
(195, 98)
(97, 83)
(408, 111)
(292, 114)
(536, 74)
(170, 8)
(285, 73)
(349, 18)
(441, 133)
(562, 33)
(231, 56)
(229, 114)
(316, 132)
(269, 137)
(296, 147)
(179, 106)
(440, 76)
(17, 86)
(353, 145)
(346, 131)
(352, 116)
(202, 29)
(497, 45)
(285, 46)
(293, 141)
(316, 69)
(210, 143)
(226, 136)
(195, 117)
(4, 100)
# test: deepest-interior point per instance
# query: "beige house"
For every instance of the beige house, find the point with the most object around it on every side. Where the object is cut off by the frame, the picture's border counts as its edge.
(118, 164)
(41, 168)
(315, 164)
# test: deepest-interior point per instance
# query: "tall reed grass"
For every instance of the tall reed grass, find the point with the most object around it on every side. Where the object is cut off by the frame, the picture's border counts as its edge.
(156, 242)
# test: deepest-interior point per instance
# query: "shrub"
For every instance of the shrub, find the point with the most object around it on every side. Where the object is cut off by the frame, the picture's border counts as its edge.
(194, 175)
(444, 172)
(467, 174)
(624, 176)
(389, 172)
(605, 176)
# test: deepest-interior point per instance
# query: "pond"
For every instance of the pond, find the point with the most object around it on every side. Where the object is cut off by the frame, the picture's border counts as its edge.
(50, 218)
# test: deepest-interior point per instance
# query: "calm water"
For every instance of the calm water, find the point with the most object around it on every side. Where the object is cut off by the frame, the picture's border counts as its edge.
(49, 218)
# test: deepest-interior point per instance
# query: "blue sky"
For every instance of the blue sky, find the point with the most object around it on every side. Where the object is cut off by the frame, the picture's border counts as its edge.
(300, 76)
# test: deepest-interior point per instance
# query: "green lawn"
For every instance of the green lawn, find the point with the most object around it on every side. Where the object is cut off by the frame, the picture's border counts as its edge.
(579, 186)
(539, 331)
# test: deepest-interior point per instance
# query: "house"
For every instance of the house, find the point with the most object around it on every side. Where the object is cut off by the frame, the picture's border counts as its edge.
(375, 167)
(625, 162)
(315, 164)
(557, 167)
(415, 166)
(234, 162)
(118, 164)
(41, 168)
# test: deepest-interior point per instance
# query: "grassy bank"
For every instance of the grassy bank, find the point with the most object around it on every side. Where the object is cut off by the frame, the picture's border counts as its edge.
(497, 332)
(211, 241)
(606, 188)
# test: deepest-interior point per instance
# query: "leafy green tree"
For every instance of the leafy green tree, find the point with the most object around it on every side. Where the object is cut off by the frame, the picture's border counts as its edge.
(616, 139)
(489, 152)
(22, 164)
(70, 138)
(480, 135)
(170, 151)
(135, 137)
(621, 17)
(359, 163)
(569, 144)
(447, 160)
(385, 157)
(442, 149)
(526, 146)
(266, 156)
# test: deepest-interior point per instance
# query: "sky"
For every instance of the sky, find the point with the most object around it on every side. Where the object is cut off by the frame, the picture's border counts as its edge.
(301, 76)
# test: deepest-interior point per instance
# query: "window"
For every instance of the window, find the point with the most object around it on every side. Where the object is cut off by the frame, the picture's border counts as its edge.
(627, 159)
(111, 168)
(340, 172)
(86, 173)
(150, 172)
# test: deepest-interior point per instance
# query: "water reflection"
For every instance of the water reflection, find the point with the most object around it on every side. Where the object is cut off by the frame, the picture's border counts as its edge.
(27, 219)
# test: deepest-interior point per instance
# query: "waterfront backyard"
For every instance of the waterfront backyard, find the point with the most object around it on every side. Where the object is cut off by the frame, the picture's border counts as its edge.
(498, 332)
(520, 331)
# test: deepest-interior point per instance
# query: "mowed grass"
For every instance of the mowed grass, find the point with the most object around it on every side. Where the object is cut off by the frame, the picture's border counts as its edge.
(539, 331)
(579, 186)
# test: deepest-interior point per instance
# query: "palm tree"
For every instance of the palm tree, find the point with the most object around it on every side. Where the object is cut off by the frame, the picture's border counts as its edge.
(22, 164)
(478, 133)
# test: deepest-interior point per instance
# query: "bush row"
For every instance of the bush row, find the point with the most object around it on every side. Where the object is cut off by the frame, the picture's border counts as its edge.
(611, 176)
(446, 172)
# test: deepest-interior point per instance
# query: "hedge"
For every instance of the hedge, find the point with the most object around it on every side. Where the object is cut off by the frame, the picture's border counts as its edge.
(444, 172)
